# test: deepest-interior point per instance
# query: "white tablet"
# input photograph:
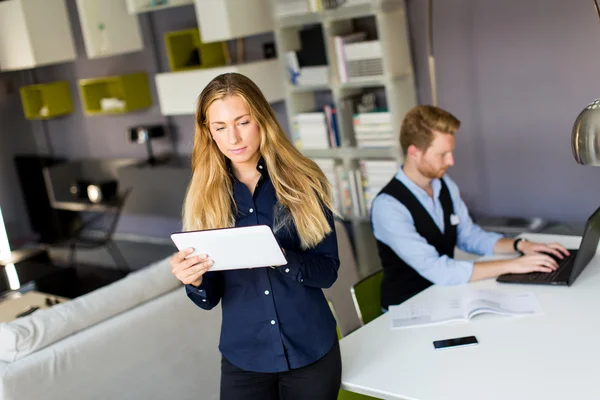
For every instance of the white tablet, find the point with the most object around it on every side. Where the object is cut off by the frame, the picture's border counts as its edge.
(234, 248)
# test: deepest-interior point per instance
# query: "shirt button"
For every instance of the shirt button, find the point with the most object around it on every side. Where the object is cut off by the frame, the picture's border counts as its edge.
(267, 292)
(251, 210)
(260, 167)
(272, 322)
(204, 300)
(287, 270)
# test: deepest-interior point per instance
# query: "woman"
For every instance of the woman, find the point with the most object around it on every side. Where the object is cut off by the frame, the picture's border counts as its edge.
(278, 337)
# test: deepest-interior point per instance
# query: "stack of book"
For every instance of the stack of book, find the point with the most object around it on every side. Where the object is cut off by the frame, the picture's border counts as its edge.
(374, 130)
(375, 175)
(316, 130)
(358, 59)
(329, 168)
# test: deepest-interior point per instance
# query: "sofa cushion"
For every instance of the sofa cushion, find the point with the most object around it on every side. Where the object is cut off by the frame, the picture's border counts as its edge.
(25, 335)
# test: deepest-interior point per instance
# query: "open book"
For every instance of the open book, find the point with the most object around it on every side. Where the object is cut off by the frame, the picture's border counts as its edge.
(463, 307)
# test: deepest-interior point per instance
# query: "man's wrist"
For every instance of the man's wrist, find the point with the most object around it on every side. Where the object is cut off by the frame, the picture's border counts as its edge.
(518, 245)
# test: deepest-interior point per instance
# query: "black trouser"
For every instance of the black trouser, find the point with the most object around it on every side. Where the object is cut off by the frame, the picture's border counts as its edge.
(317, 381)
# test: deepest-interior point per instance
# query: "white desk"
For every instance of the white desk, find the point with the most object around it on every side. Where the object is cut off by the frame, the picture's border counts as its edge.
(551, 356)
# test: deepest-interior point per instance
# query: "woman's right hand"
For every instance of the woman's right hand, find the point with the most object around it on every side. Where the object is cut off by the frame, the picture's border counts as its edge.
(532, 263)
(189, 271)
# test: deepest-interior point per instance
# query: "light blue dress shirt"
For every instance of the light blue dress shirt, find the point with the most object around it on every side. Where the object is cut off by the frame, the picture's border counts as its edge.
(393, 225)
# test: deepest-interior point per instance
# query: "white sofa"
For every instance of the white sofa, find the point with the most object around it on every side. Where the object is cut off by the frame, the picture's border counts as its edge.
(138, 338)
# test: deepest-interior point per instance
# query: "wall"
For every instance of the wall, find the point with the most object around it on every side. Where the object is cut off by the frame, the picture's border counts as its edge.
(79, 136)
(16, 136)
(517, 73)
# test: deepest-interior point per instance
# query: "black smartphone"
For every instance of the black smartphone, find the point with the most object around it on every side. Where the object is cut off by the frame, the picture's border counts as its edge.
(461, 341)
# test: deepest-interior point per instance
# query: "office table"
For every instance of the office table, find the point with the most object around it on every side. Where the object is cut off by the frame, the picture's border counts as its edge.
(551, 356)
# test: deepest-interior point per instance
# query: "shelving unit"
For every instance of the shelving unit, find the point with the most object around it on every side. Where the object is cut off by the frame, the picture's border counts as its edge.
(396, 85)
(142, 6)
(46, 100)
(221, 20)
(178, 91)
(30, 37)
(185, 51)
(126, 93)
(108, 29)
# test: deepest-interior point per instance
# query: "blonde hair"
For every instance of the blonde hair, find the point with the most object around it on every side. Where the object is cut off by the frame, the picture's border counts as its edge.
(300, 185)
(419, 123)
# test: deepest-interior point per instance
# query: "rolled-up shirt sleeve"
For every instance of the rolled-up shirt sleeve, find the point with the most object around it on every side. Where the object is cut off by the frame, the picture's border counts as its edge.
(394, 226)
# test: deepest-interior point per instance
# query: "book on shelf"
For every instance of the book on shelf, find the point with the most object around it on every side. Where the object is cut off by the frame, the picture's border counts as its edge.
(462, 307)
(339, 44)
(328, 166)
(374, 130)
(364, 60)
(345, 191)
(375, 174)
(316, 130)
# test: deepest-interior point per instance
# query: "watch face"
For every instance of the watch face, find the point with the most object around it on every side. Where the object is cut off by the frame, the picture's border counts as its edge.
(94, 193)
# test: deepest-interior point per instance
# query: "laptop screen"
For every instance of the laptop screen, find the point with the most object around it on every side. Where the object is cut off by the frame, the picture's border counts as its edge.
(589, 244)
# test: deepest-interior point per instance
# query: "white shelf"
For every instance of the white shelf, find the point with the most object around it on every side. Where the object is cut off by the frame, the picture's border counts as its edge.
(178, 91)
(353, 11)
(354, 153)
(221, 20)
(397, 82)
(30, 37)
(108, 28)
(306, 88)
(143, 6)
(294, 20)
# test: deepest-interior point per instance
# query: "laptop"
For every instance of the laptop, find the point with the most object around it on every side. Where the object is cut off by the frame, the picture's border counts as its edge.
(569, 267)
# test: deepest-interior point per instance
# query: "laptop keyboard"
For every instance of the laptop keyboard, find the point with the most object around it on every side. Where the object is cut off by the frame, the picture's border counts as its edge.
(551, 276)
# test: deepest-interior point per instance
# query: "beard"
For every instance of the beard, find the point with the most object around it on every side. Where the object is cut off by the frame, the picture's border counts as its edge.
(430, 172)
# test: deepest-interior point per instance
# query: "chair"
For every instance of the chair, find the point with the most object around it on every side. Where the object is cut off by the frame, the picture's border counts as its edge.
(105, 221)
(367, 297)
(344, 394)
(339, 293)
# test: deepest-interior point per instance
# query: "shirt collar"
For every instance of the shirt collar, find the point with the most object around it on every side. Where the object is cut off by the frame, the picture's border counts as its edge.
(261, 167)
(436, 185)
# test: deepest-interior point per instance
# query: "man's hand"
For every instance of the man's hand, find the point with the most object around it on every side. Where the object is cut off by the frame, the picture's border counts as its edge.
(530, 248)
(534, 262)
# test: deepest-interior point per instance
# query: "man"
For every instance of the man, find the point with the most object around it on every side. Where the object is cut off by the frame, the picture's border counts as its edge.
(419, 217)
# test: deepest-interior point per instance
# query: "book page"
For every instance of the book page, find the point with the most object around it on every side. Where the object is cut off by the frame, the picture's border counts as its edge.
(482, 301)
(420, 313)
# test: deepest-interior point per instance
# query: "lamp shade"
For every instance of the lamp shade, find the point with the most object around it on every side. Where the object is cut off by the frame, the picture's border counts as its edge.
(585, 139)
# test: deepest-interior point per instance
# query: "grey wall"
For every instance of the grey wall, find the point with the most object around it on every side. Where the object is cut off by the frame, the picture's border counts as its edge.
(517, 73)
(79, 136)
(16, 136)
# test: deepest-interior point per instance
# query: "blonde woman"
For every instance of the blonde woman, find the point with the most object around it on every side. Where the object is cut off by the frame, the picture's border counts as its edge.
(278, 337)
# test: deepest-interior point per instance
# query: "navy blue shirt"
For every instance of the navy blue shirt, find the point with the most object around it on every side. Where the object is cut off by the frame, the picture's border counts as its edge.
(273, 319)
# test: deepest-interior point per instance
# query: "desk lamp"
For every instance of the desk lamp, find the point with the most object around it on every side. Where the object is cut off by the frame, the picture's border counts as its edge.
(585, 138)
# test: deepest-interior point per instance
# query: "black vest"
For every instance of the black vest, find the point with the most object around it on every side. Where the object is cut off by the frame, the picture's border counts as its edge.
(400, 280)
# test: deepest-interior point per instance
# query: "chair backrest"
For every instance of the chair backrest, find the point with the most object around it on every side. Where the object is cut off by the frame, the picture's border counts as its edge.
(339, 293)
(367, 297)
